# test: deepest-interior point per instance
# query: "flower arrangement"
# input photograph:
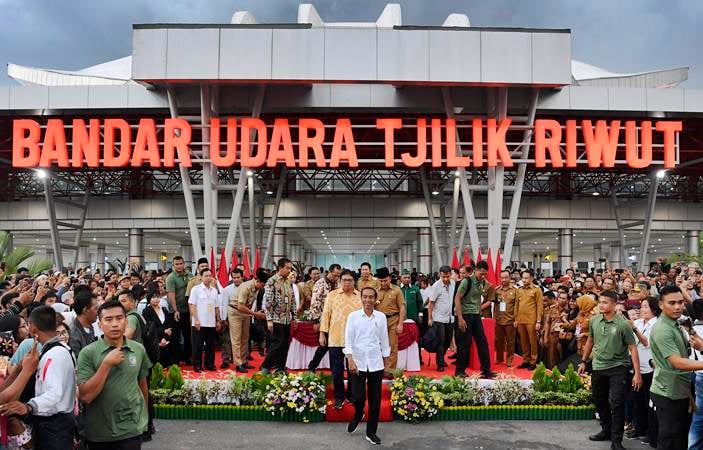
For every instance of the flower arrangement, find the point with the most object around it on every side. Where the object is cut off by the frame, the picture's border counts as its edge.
(551, 387)
(301, 393)
(415, 398)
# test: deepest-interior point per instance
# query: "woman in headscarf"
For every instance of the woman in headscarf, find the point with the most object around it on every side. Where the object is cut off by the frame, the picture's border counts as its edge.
(587, 309)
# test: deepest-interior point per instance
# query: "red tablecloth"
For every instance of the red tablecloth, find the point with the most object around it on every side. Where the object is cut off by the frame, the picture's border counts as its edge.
(409, 335)
(305, 334)
(489, 328)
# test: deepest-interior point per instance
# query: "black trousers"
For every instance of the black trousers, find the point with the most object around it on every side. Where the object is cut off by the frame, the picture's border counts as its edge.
(374, 381)
(206, 337)
(645, 417)
(134, 443)
(55, 432)
(182, 329)
(474, 330)
(337, 362)
(317, 358)
(674, 422)
(608, 388)
(444, 335)
(278, 351)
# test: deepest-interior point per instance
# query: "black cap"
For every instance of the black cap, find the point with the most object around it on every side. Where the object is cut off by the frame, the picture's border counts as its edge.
(382, 272)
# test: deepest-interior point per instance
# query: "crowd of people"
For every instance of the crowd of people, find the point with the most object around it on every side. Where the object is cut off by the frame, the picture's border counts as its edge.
(78, 348)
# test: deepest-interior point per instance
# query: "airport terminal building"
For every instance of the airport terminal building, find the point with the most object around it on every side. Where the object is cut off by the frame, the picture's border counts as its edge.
(350, 142)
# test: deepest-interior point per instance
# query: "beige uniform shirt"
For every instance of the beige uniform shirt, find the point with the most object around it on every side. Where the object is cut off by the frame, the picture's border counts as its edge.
(390, 300)
(530, 305)
(504, 310)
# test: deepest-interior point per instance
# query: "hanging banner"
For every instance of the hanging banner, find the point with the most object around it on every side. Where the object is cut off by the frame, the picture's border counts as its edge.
(114, 143)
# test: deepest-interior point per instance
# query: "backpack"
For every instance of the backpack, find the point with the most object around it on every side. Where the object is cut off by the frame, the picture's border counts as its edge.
(456, 288)
(150, 336)
(430, 341)
(28, 393)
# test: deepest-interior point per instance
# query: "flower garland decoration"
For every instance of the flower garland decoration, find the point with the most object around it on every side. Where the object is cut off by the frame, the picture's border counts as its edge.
(299, 393)
(415, 398)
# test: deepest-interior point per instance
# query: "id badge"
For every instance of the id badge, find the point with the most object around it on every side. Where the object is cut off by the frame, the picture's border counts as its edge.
(503, 307)
(210, 308)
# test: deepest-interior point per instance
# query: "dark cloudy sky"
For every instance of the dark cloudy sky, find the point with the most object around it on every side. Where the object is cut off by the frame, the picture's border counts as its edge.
(619, 35)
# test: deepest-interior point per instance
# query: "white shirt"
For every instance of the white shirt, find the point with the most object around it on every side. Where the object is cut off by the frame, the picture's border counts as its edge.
(205, 301)
(645, 353)
(228, 292)
(366, 339)
(695, 354)
(55, 385)
(442, 297)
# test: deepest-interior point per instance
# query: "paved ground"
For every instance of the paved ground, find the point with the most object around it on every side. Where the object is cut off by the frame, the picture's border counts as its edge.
(210, 435)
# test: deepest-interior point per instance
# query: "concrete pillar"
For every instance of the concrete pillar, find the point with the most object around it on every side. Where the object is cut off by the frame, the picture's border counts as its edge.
(308, 260)
(278, 250)
(565, 249)
(187, 253)
(100, 258)
(615, 255)
(136, 246)
(693, 239)
(11, 240)
(597, 254)
(424, 252)
(516, 254)
(83, 256)
(50, 255)
(407, 262)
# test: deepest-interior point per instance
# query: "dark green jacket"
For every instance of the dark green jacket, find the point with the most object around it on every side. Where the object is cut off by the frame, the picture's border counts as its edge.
(413, 301)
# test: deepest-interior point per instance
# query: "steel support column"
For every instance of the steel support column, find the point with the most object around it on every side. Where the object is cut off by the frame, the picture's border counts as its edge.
(54, 229)
(187, 253)
(597, 254)
(455, 211)
(430, 215)
(651, 202)
(520, 178)
(278, 250)
(252, 212)
(495, 185)
(407, 262)
(274, 215)
(615, 260)
(185, 184)
(83, 256)
(209, 190)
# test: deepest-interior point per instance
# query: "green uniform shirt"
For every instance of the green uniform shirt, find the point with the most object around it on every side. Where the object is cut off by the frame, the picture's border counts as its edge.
(413, 301)
(119, 411)
(134, 322)
(610, 341)
(178, 283)
(471, 303)
(667, 339)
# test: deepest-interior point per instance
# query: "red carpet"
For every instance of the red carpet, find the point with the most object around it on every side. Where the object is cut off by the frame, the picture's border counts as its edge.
(346, 413)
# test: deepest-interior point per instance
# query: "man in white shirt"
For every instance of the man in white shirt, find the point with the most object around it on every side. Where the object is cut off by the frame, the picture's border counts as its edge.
(54, 389)
(230, 290)
(367, 349)
(440, 313)
(204, 305)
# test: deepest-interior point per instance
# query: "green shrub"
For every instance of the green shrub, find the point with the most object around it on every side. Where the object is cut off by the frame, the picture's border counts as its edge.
(174, 379)
(157, 377)
(572, 381)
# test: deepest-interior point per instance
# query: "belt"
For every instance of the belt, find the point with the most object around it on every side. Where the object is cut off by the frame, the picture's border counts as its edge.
(388, 316)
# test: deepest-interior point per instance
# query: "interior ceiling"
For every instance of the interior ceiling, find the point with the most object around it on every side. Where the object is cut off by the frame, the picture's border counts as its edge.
(362, 240)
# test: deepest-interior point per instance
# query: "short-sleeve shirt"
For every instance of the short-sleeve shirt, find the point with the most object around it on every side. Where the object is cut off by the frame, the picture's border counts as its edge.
(119, 411)
(205, 300)
(369, 282)
(390, 301)
(610, 341)
(178, 283)
(441, 299)
(135, 322)
(666, 340)
(504, 311)
(471, 302)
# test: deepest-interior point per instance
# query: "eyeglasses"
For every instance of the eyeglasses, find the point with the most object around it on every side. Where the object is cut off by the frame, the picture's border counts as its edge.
(348, 280)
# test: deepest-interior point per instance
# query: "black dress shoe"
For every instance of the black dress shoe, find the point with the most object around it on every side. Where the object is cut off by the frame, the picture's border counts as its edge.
(248, 366)
(338, 404)
(600, 436)
(440, 369)
(373, 439)
(488, 375)
(452, 356)
(211, 368)
(354, 424)
(241, 368)
(460, 374)
(197, 369)
(532, 366)
(224, 365)
(524, 365)
(250, 358)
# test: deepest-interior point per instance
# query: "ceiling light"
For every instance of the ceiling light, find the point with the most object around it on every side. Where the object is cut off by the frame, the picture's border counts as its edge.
(322, 231)
(94, 238)
(535, 242)
(547, 247)
(457, 173)
(596, 194)
(659, 239)
(324, 237)
(41, 174)
(435, 192)
(603, 238)
(186, 231)
(151, 248)
(580, 242)
(269, 192)
(661, 173)
(117, 243)
(36, 240)
(250, 173)
(126, 235)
